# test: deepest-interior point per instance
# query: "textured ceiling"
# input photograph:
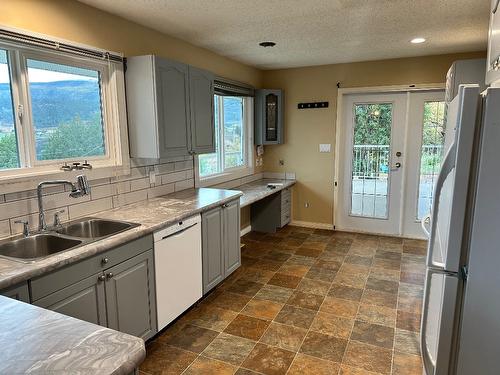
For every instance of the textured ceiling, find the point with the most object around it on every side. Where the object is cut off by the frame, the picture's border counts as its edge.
(313, 32)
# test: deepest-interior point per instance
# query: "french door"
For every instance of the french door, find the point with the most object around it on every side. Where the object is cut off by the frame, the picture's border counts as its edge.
(387, 162)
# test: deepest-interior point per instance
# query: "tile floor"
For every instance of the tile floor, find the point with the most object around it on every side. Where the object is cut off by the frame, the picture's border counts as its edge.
(304, 302)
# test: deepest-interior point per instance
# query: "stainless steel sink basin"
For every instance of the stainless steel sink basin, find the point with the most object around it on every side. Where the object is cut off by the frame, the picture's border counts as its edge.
(37, 246)
(94, 228)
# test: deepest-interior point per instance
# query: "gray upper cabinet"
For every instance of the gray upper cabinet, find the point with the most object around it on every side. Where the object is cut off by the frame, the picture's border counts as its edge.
(19, 292)
(213, 249)
(170, 108)
(220, 243)
(130, 303)
(268, 117)
(201, 94)
(232, 251)
(83, 300)
(172, 100)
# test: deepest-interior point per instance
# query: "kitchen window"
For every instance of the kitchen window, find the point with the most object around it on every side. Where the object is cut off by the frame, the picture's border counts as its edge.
(233, 121)
(58, 108)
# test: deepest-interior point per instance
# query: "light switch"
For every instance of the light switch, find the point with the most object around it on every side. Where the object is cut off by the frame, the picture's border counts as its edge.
(325, 147)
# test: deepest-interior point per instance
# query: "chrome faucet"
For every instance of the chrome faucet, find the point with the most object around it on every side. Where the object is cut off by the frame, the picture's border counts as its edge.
(79, 189)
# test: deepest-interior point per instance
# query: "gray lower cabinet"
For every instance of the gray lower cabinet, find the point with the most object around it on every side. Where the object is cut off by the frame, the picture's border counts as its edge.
(19, 292)
(130, 299)
(114, 289)
(232, 249)
(212, 248)
(220, 243)
(83, 300)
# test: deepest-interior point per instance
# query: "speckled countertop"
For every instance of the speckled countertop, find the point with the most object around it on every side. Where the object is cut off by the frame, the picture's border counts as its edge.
(45, 342)
(256, 190)
(153, 214)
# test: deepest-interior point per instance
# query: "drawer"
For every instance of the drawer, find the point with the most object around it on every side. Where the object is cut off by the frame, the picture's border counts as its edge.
(54, 281)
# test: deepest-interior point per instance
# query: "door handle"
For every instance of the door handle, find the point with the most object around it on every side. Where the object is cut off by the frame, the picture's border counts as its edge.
(396, 166)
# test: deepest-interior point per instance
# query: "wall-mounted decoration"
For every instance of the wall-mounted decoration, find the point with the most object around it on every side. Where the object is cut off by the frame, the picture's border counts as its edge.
(312, 105)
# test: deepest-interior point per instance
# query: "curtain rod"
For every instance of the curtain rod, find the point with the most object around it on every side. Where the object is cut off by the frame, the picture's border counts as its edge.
(42, 41)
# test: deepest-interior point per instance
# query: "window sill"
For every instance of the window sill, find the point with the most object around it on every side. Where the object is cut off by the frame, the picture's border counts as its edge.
(223, 177)
(25, 180)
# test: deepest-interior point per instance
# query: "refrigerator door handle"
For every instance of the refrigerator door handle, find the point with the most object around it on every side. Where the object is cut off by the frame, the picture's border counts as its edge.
(446, 168)
(423, 223)
(446, 326)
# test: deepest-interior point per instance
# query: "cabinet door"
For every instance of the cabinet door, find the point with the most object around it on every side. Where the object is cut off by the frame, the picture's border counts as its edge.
(232, 250)
(172, 101)
(201, 94)
(268, 117)
(19, 292)
(83, 300)
(212, 249)
(130, 296)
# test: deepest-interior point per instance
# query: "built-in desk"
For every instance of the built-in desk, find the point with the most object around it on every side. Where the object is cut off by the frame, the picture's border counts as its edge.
(270, 208)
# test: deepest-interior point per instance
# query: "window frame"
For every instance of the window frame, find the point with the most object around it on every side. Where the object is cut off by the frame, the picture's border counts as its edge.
(115, 161)
(228, 174)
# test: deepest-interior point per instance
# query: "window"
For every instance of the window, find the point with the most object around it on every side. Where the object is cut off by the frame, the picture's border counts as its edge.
(233, 129)
(431, 155)
(57, 108)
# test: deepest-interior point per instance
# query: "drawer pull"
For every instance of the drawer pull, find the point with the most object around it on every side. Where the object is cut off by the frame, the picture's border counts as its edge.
(104, 260)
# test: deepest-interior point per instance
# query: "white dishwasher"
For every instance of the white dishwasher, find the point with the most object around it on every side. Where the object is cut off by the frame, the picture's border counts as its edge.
(178, 271)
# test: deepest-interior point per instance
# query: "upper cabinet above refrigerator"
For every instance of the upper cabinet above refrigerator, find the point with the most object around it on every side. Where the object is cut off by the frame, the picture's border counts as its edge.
(268, 117)
(493, 69)
(170, 108)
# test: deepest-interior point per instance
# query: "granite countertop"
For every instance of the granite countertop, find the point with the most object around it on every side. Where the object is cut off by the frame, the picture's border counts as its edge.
(39, 341)
(153, 214)
(256, 190)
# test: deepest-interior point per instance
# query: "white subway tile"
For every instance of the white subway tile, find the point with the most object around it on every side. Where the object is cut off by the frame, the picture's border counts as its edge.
(4, 228)
(129, 198)
(9, 197)
(182, 185)
(183, 165)
(173, 177)
(165, 168)
(158, 191)
(140, 184)
(103, 191)
(89, 208)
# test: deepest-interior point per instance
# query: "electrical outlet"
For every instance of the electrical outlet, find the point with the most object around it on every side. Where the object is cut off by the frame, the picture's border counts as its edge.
(152, 177)
(282, 162)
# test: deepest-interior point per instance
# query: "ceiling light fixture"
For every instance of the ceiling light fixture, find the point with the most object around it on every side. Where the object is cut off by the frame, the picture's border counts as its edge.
(267, 44)
(417, 40)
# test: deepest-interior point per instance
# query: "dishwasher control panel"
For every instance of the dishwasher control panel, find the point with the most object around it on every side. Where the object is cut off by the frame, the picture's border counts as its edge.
(181, 225)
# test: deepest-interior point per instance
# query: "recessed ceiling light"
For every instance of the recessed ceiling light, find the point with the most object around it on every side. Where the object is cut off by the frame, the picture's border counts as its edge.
(417, 40)
(267, 44)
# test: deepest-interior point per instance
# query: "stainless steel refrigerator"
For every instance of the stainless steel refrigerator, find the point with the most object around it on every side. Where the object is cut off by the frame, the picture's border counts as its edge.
(460, 332)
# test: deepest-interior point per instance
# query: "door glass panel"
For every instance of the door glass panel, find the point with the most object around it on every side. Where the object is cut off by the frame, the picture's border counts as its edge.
(370, 160)
(9, 155)
(67, 110)
(271, 117)
(431, 155)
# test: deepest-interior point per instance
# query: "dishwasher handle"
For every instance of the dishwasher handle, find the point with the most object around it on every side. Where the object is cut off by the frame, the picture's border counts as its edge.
(178, 233)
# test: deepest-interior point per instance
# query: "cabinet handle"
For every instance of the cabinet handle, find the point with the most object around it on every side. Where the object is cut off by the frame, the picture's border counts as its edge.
(104, 260)
(101, 278)
(109, 275)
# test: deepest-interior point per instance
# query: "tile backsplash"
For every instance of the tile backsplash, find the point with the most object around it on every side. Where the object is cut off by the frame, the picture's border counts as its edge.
(173, 175)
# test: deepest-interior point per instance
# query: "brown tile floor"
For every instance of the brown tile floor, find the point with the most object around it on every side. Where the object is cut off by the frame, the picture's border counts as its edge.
(304, 302)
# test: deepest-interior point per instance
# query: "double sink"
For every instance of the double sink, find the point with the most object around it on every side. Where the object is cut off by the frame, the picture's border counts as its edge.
(69, 236)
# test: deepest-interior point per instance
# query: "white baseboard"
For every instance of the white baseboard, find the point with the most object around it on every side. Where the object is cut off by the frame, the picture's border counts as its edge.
(245, 230)
(310, 224)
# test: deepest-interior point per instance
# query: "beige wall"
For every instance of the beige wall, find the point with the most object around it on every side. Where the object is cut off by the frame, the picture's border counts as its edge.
(306, 129)
(77, 22)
